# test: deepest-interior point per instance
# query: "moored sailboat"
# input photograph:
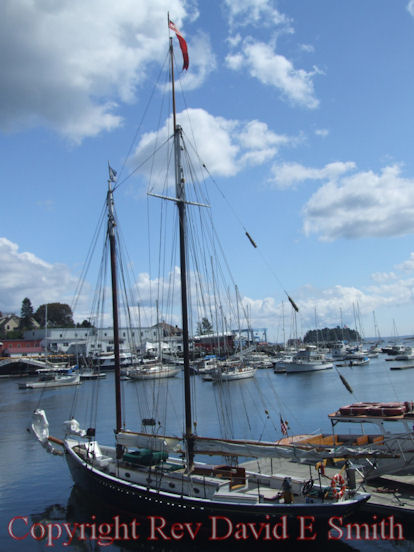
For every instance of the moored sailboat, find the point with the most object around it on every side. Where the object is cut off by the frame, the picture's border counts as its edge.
(154, 473)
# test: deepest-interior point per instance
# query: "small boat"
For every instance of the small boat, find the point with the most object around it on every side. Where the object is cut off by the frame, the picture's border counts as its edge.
(406, 354)
(208, 365)
(259, 360)
(281, 365)
(92, 375)
(356, 361)
(339, 351)
(52, 380)
(107, 360)
(230, 372)
(308, 360)
(153, 371)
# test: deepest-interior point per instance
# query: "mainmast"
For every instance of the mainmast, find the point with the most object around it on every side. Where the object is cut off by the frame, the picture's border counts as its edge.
(181, 204)
(112, 245)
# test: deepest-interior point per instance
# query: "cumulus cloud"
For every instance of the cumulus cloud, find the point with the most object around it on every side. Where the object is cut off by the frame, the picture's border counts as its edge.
(364, 204)
(236, 144)
(410, 7)
(408, 265)
(287, 175)
(255, 12)
(22, 274)
(381, 277)
(273, 69)
(67, 65)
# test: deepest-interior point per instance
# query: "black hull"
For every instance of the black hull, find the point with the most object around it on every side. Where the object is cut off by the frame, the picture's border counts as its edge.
(127, 499)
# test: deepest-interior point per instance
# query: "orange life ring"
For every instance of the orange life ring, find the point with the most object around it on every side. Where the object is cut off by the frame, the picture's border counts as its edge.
(338, 481)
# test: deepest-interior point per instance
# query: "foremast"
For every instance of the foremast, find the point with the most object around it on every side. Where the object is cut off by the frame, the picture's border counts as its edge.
(112, 247)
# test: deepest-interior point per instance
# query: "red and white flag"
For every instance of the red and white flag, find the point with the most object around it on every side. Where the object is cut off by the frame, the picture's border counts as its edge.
(183, 44)
(283, 426)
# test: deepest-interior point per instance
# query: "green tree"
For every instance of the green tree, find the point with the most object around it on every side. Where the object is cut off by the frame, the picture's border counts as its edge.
(85, 324)
(26, 314)
(204, 327)
(59, 315)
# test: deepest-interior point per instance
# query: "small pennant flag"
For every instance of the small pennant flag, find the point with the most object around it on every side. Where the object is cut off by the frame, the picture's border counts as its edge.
(112, 173)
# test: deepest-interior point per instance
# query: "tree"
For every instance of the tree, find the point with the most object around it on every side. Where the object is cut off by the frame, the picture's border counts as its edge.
(85, 324)
(329, 335)
(26, 314)
(204, 327)
(59, 315)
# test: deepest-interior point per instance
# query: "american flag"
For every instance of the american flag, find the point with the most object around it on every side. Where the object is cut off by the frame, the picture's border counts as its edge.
(283, 426)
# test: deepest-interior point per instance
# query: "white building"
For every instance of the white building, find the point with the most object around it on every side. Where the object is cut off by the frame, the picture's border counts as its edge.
(90, 341)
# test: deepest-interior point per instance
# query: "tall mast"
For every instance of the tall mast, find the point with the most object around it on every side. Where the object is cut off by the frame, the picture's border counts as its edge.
(180, 196)
(112, 245)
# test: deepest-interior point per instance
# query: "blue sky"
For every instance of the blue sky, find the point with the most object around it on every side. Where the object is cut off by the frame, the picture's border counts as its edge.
(311, 109)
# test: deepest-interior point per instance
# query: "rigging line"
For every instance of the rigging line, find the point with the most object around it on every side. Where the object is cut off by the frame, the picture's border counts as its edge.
(281, 404)
(88, 260)
(163, 209)
(142, 163)
(144, 114)
(130, 264)
(208, 232)
(250, 238)
(246, 412)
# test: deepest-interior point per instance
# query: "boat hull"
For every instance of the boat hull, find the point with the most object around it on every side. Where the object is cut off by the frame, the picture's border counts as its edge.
(307, 367)
(52, 384)
(149, 374)
(127, 498)
(233, 376)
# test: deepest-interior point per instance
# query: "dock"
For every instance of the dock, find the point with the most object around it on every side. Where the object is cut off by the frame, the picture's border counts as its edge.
(391, 495)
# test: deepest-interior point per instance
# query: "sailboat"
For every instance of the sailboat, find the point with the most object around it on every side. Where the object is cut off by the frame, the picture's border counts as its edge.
(161, 475)
(53, 375)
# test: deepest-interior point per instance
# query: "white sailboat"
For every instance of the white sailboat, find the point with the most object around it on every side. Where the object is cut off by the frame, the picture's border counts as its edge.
(52, 379)
(154, 370)
(233, 371)
(145, 473)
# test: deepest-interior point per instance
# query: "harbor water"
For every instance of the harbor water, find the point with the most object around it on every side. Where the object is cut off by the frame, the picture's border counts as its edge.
(36, 487)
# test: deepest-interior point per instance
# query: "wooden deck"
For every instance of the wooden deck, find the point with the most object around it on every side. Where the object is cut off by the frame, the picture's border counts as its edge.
(390, 494)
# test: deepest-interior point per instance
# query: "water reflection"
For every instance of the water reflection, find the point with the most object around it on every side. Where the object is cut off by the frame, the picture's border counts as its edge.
(84, 524)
